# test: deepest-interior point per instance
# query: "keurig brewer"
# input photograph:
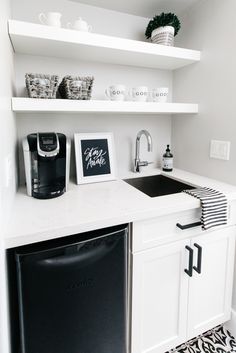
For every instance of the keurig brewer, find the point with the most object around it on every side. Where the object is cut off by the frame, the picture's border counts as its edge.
(47, 164)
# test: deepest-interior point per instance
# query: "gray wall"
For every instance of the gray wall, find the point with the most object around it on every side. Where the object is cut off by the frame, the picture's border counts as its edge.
(211, 28)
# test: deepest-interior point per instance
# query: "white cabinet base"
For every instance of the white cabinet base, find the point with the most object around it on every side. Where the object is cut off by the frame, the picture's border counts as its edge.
(160, 293)
(210, 292)
(170, 306)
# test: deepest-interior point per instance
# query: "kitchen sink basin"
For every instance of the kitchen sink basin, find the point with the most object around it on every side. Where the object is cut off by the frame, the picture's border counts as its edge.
(158, 185)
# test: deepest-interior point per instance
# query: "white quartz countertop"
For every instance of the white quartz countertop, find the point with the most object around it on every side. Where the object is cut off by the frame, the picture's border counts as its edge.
(93, 206)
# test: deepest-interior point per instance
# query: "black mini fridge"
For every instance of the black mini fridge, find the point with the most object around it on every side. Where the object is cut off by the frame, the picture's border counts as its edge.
(72, 293)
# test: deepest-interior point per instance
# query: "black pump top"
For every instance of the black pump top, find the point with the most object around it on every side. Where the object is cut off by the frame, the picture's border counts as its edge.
(168, 154)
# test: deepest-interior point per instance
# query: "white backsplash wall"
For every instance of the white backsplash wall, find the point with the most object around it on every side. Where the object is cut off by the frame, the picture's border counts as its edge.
(124, 127)
(104, 74)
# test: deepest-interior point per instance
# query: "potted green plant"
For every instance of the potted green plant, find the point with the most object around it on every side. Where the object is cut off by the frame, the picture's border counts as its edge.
(163, 28)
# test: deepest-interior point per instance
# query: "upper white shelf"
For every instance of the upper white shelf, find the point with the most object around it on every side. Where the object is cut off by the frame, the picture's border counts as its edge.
(35, 39)
(29, 105)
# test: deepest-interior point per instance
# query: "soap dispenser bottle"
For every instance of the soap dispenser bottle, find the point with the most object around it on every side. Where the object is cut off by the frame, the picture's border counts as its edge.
(167, 160)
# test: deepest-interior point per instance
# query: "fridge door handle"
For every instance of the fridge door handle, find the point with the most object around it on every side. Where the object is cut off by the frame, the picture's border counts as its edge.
(76, 256)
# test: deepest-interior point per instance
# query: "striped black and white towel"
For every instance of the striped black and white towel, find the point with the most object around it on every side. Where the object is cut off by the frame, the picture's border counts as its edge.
(214, 206)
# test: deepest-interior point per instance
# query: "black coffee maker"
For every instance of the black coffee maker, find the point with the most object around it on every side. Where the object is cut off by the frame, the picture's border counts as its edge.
(47, 164)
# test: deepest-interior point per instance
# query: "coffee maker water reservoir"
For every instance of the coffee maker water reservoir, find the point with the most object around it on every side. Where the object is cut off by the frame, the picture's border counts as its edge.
(47, 164)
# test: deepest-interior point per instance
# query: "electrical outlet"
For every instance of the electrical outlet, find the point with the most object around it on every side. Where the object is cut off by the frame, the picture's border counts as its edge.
(220, 149)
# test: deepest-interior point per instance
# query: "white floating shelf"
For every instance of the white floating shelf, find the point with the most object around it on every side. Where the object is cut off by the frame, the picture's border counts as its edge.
(35, 39)
(30, 105)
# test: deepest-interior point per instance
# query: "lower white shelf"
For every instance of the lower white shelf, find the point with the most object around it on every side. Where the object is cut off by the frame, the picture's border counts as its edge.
(29, 105)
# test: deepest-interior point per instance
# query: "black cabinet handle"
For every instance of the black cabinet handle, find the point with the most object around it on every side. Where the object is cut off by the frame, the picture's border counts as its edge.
(187, 226)
(189, 271)
(198, 268)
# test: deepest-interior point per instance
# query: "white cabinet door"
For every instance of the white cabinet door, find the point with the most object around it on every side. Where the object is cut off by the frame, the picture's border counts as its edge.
(160, 295)
(210, 292)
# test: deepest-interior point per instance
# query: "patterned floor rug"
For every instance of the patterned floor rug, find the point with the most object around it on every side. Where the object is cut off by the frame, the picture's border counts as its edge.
(218, 340)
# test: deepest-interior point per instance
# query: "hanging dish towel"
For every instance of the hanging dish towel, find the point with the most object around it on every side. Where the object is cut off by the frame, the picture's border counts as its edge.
(214, 206)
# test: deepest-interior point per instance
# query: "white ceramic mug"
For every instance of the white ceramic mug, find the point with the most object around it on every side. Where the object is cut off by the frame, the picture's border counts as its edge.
(80, 25)
(51, 19)
(160, 94)
(139, 93)
(116, 92)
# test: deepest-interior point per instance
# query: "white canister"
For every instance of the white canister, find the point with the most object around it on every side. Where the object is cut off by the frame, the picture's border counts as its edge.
(160, 94)
(116, 92)
(139, 93)
(80, 25)
(50, 19)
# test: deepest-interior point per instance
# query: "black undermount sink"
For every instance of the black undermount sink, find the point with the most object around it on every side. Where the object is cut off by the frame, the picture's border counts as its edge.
(158, 185)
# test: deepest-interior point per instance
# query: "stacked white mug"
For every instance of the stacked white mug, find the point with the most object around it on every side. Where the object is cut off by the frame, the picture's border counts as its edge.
(160, 94)
(139, 93)
(116, 92)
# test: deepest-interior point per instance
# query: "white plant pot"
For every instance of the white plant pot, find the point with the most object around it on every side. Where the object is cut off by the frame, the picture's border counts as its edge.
(163, 35)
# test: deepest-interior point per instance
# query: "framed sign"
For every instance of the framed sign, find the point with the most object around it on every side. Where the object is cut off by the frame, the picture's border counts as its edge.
(94, 154)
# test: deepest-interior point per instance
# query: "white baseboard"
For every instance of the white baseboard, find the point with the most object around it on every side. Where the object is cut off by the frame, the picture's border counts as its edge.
(231, 325)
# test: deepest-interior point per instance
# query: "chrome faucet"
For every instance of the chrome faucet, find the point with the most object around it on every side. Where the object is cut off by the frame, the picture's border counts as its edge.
(137, 162)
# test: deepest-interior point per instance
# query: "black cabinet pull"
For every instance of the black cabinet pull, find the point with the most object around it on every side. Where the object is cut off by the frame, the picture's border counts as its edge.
(190, 225)
(189, 271)
(198, 268)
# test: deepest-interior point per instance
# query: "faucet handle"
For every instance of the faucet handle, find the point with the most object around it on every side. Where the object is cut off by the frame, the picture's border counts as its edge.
(144, 163)
(138, 164)
(147, 163)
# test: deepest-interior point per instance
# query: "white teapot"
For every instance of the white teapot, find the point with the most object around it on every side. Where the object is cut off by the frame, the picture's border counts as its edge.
(80, 25)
